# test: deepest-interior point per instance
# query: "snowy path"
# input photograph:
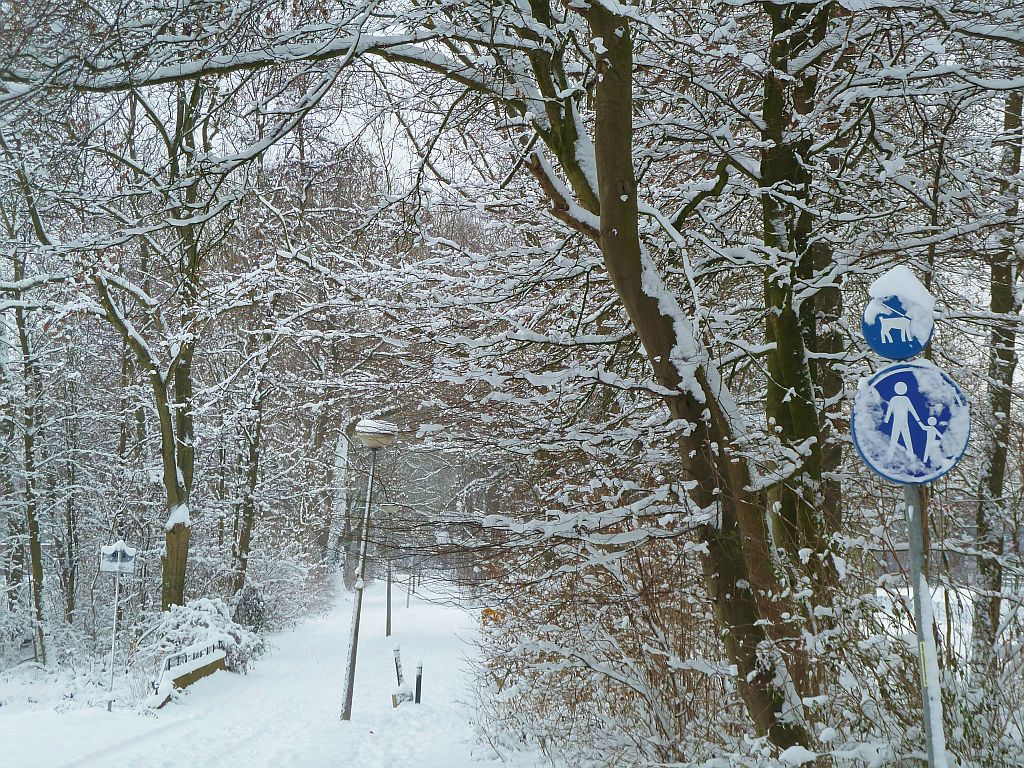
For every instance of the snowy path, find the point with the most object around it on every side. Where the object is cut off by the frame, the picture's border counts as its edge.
(285, 712)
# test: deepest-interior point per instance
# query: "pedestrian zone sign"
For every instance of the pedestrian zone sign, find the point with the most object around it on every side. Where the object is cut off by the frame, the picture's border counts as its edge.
(911, 422)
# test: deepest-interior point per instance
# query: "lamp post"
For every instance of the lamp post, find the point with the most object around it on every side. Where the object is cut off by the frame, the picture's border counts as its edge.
(373, 435)
(388, 511)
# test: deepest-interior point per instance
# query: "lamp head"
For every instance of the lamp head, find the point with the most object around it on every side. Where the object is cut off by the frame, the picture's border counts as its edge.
(375, 434)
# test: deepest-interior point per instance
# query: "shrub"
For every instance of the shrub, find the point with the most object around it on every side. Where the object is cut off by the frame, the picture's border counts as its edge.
(196, 624)
(251, 609)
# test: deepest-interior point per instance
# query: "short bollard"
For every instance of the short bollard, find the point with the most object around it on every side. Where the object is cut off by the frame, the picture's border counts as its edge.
(402, 694)
(419, 681)
(398, 667)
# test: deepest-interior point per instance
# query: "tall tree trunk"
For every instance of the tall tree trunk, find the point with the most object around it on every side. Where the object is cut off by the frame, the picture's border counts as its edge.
(32, 393)
(69, 567)
(339, 498)
(68, 549)
(177, 528)
(252, 432)
(737, 565)
(247, 504)
(179, 437)
(1005, 305)
(15, 563)
(828, 344)
(70, 572)
(351, 522)
(184, 428)
(791, 402)
(12, 549)
(29, 426)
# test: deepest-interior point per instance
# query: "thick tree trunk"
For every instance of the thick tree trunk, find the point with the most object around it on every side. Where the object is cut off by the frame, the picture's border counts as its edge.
(738, 563)
(828, 344)
(176, 541)
(791, 406)
(179, 440)
(178, 531)
(1005, 304)
(184, 430)
(177, 534)
(176, 428)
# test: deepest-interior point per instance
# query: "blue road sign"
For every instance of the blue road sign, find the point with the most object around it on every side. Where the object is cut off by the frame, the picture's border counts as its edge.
(910, 422)
(896, 328)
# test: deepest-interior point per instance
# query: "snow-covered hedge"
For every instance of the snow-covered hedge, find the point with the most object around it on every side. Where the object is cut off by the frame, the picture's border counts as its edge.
(198, 623)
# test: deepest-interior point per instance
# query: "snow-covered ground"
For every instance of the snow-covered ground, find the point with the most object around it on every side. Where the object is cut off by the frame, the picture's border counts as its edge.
(285, 712)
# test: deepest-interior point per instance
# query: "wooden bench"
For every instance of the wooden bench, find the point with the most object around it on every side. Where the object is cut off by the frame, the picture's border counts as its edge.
(182, 669)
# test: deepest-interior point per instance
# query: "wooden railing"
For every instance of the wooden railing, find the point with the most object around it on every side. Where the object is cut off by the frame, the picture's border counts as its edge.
(180, 659)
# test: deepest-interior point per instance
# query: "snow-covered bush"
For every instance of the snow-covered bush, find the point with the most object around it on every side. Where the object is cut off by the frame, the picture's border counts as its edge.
(291, 589)
(250, 608)
(15, 638)
(196, 624)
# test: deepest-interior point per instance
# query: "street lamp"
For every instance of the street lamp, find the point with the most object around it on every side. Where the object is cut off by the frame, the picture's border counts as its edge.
(389, 511)
(373, 435)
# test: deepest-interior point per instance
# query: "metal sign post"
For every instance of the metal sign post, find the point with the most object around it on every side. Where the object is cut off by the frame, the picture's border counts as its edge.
(387, 621)
(934, 735)
(388, 511)
(911, 424)
(113, 639)
(118, 558)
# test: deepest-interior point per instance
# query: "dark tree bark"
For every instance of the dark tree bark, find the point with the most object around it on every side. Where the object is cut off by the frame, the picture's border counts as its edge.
(1005, 305)
(737, 568)
(252, 431)
(247, 504)
(29, 427)
(793, 379)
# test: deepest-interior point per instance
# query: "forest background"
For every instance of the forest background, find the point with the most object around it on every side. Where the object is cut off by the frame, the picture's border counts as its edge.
(605, 263)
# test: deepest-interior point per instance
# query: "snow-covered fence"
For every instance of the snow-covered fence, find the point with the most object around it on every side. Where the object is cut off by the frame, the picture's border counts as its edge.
(181, 669)
(183, 658)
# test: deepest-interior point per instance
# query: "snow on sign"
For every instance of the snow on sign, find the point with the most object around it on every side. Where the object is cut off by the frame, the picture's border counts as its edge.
(910, 422)
(117, 558)
(898, 321)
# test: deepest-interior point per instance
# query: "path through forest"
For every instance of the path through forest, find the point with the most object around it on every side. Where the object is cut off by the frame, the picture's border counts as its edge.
(285, 712)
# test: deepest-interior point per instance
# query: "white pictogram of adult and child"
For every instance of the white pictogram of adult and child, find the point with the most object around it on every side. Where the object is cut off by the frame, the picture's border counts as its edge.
(898, 410)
